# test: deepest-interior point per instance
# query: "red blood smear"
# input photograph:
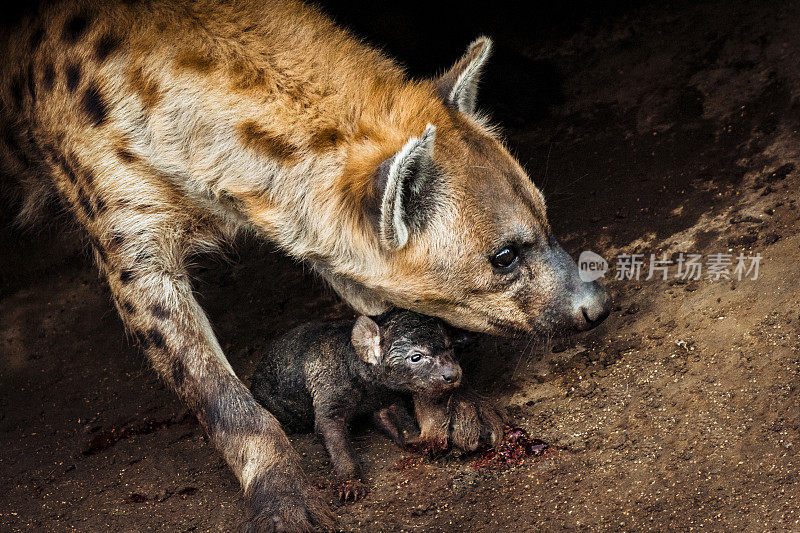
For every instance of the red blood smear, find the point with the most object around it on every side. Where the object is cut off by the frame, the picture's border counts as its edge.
(516, 446)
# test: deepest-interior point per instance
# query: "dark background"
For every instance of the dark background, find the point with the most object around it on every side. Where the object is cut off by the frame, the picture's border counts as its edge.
(429, 36)
(651, 127)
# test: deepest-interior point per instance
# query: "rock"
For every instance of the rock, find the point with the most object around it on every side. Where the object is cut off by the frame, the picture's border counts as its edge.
(745, 219)
(632, 310)
(743, 240)
(779, 173)
(586, 387)
(136, 497)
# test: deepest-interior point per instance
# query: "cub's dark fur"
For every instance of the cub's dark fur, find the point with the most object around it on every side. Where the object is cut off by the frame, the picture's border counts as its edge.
(324, 374)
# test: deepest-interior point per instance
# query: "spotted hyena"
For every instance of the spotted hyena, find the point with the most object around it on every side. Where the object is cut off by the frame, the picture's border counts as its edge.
(167, 127)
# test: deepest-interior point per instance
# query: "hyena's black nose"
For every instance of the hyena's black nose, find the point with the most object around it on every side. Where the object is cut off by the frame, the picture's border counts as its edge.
(592, 306)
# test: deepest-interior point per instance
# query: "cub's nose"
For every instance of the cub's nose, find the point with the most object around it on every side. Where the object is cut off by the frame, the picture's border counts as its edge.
(592, 306)
(451, 375)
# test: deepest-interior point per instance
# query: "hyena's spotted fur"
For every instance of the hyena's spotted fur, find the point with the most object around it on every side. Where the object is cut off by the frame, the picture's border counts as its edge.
(167, 127)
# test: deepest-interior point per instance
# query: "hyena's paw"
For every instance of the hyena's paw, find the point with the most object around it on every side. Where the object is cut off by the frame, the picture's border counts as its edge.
(285, 503)
(351, 490)
(474, 422)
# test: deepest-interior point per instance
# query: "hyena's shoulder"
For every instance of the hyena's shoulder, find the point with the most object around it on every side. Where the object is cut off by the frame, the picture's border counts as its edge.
(183, 87)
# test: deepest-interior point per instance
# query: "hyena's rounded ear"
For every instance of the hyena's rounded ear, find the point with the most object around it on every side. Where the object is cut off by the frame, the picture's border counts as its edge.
(405, 181)
(366, 339)
(459, 85)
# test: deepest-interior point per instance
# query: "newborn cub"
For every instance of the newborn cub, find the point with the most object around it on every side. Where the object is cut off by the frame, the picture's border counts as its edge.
(326, 373)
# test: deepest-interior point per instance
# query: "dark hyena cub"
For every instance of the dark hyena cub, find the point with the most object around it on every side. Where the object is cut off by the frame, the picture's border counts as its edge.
(327, 373)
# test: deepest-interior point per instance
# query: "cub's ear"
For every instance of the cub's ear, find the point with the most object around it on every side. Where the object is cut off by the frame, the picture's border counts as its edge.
(406, 183)
(366, 338)
(459, 85)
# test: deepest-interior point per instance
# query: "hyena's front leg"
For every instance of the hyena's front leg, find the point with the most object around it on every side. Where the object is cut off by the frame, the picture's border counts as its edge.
(151, 289)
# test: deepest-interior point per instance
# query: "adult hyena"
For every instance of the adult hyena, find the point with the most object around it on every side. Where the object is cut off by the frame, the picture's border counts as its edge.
(168, 127)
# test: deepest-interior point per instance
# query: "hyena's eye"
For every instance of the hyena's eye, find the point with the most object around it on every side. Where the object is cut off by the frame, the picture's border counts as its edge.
(415, 357)
(505, 258)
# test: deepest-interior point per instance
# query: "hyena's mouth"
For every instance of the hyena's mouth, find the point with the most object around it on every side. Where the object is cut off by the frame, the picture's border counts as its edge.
(500, 327)
(508, 328)
(540, 327)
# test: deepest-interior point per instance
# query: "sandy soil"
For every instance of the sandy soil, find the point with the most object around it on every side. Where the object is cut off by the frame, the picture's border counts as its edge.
(674, 133)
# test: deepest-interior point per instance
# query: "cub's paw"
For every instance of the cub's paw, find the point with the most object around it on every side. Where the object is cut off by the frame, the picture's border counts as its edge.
(429, 447)
(287, 503)
(351, 490)
(474, 422)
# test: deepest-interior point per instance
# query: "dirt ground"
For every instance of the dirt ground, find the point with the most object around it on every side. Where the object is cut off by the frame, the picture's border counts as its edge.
(675, 130)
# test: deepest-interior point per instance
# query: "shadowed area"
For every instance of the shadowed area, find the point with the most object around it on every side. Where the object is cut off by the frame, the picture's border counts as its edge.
(651, 128)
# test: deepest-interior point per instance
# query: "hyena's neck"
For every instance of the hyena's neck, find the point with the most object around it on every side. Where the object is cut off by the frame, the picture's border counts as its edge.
(258, 114)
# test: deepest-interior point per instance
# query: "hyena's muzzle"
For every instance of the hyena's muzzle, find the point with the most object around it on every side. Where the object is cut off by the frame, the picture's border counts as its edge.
(577, 305)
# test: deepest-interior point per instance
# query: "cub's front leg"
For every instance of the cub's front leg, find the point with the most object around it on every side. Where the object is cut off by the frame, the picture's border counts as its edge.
(395, 422)
(433, 417)
(334, 433)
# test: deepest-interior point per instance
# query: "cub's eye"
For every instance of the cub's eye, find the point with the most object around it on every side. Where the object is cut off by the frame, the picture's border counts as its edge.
(505, 258)
(415, 357)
